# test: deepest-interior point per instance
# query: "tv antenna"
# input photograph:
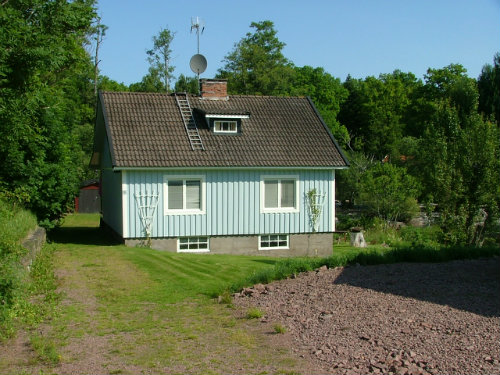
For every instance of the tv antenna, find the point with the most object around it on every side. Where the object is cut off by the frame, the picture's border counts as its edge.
(198, 62)
(198, 24)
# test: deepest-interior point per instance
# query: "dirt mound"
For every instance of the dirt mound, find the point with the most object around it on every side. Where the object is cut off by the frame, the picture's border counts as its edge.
(400, 319)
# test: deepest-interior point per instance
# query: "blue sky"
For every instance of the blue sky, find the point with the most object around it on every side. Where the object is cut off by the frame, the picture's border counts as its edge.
(356, 37)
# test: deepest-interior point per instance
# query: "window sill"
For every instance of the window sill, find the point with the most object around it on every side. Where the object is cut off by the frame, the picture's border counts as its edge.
(274, 248)
(279, 210)
(184, 212)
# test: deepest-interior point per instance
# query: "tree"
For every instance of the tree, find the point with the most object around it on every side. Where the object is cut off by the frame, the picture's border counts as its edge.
(98, 32)
(376, 112)
(349, 180)
(187, 84)
(257, 65)
(460, 170)
(459, 155)
(326, 92)
(107, 84)
(159, 58)
(151, 82)
(46, 98)
(489, 89)
(389, 192)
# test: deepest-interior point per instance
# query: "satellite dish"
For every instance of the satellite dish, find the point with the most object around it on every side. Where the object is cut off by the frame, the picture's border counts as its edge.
(198, 63)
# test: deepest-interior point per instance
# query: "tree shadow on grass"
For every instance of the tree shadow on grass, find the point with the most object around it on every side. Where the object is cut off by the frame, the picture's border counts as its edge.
(82, 236)
(468, 285)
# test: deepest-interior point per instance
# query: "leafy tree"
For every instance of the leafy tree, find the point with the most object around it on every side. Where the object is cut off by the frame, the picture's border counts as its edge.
(377, 111)
(460, 169)
(389, 192)
(489, 89)
(327, 94)
(187, 84)
(459, 153)
(349, 180)
(46, 99)
(107, 84)
(151, 82)
(257, 65)
(159, 57)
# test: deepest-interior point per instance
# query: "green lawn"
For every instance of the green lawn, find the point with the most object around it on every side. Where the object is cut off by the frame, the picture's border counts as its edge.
(137, 310)
(146, 311)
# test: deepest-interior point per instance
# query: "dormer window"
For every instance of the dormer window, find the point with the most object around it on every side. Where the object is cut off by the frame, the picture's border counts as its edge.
(229, 122)
(225, 126)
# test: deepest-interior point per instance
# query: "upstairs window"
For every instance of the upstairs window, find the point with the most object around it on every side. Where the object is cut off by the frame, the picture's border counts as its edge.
(279, 194)
(225, 127)
(184, 195)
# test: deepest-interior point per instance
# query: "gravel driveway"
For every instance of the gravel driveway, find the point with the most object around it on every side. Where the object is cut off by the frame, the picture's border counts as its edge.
(409, 318)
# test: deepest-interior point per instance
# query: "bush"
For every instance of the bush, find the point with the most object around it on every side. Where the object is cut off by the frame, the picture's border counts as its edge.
(427, 236)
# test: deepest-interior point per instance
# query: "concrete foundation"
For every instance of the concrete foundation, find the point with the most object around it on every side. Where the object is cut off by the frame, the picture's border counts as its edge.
(309, 244)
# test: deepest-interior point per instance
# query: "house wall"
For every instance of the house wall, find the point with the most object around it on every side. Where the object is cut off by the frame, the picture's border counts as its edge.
(309, 244)
(232, 204)
(111, 190)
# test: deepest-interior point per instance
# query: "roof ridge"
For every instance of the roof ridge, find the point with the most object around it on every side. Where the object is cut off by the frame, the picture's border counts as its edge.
(135, 93)
(199, 97)
(268, 96)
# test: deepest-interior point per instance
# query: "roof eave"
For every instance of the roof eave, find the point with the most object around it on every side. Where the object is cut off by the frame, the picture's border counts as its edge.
(344, 157)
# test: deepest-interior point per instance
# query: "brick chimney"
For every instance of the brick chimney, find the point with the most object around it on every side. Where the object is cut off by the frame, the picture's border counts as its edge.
(214, 89)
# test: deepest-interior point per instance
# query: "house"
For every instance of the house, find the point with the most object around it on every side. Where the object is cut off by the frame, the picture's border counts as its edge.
(217, 173)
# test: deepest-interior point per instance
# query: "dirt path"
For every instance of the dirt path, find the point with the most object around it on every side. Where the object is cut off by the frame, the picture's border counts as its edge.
(107, 324)
(400, 319)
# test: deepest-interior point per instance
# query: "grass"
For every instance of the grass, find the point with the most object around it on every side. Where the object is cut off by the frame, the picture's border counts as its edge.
(254, 313)
(279, 329)
(153, 310)
(149, 310)
(15, 223)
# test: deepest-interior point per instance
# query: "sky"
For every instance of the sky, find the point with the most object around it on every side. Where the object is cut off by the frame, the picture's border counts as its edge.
(357, 37)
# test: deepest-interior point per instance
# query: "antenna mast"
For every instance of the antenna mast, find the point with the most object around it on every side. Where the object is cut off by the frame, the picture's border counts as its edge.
(197, 23)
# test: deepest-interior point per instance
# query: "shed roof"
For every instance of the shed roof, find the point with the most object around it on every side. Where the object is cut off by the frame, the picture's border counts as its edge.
(146, 130)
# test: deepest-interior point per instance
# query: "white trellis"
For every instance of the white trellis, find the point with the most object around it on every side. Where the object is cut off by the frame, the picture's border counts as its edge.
(315, 200)
(146, 204)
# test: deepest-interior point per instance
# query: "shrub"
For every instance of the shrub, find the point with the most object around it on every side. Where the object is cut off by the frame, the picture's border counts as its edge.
(389, 192)
(427, 236)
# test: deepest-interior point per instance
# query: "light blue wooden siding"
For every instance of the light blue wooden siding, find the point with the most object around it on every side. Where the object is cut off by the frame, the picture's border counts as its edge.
(232, 205)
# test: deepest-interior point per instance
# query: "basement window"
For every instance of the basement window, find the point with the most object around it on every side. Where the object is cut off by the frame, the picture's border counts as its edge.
(192, 244)
(273, 241)
(225, 126)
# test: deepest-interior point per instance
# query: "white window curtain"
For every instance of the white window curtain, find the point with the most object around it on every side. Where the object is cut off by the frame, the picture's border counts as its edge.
(271, 193)
(193, 192)
(287, 193)
(175, 195)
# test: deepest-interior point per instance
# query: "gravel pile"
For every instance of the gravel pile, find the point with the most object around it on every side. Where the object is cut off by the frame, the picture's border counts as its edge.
(409, 318)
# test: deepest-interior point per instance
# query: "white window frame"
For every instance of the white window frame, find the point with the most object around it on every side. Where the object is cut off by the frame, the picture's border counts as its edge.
(263, 208)
(193, 240)
(226, 131)
(184, 211)
(267, 238)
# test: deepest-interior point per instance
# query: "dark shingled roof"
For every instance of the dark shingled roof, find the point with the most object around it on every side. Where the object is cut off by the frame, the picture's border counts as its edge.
(146, 130)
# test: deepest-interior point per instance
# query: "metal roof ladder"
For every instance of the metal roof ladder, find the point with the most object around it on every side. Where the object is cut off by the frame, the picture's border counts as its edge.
(189, 123)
